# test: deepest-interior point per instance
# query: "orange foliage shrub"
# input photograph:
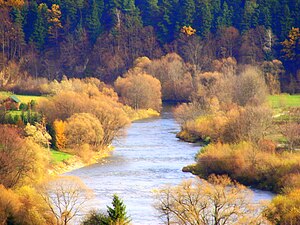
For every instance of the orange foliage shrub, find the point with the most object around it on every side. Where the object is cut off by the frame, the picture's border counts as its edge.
(249, 165)
(86, 96)
(285, 209)
(140, 91)
(173, 73)
(59, 127)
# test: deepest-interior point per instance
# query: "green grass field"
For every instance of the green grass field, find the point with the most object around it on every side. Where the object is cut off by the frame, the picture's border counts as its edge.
(23, 98)
(58, 156)
(284, 101)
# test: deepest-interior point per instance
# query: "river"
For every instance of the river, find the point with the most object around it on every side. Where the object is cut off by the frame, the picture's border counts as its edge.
(148, 157)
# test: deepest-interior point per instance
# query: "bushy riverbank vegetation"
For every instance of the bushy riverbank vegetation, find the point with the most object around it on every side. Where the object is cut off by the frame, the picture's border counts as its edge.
(226, 61)
(78, 118)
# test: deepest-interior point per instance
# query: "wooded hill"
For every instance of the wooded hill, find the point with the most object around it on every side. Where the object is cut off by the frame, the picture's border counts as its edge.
(102, 38)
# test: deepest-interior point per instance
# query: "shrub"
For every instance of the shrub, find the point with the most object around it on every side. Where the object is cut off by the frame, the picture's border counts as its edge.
(249, 165)
(83, 128)
(140, 91)
(284, 209)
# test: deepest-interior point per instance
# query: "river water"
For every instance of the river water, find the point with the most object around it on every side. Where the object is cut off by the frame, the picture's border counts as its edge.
(148, 157)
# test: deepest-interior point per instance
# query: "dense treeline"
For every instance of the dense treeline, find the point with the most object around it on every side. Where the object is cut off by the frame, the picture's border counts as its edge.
(103, 38)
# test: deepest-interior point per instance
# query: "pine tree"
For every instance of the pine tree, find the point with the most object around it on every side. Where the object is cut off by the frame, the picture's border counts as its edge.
(203, 21)
(165, 25)
(93, 22)
(249, 11)
(41, 25)
(225, 20)
(264, 17)
(149, 11)
(237, 6)
(117, 214)
(31, 12)
(18, 19)
(285, 22)
(215, 8)
(187, 11)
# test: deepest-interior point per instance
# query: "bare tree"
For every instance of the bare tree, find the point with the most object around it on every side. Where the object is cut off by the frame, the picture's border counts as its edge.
(291, 131)
(65, 197)
(198, 202)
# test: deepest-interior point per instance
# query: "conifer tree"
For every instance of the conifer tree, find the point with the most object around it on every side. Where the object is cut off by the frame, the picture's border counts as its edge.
(203, 22)
(117, 214)
(40, 32)
(93, 22)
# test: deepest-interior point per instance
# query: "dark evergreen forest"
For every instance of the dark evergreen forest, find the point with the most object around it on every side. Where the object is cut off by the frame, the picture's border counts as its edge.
(102, 38)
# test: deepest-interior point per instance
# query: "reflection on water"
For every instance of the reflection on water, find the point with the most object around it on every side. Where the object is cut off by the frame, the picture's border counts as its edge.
(147, 158)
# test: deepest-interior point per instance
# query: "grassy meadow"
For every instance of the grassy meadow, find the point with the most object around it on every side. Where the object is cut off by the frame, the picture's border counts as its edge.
(284, 101)
(58, 156)
(23, 98)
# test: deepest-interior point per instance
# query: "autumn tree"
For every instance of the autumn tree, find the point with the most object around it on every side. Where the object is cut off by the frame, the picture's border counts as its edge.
(9, 204)
(284, 208)
(251, 123)
(291, 131)
(228, 41)
(54, 20)
(38, 134)
(291, 45)
(65, 197)
(174, 76)
(250, 87)
(21, 160)
(218, 201)
(85, 96)
(83, 128)
(59, 127)
(273, 71)
(140, 91)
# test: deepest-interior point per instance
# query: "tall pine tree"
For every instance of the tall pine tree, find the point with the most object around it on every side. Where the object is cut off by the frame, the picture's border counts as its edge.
(117, 214)
(39, 35)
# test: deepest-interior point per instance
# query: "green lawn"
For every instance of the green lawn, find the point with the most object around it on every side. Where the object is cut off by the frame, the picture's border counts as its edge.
(23, 98)
(284, 101)
(58, 156)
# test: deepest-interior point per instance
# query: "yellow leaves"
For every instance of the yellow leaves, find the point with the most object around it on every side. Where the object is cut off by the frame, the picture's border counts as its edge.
(83, 128)
(54, 19)
(12, 3)
(140, 91)
(9, 204)
(188, 30)
(290, 44)
(285, 209)
(60, 138)
(211, 126)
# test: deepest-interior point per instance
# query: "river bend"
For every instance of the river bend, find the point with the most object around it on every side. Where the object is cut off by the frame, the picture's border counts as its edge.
(148, 157)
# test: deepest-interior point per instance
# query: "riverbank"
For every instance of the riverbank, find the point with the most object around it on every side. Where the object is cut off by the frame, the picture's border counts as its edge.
(147, 158)
(76, 162)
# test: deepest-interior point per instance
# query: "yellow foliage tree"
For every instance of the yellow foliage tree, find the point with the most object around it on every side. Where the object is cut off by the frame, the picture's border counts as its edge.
(60, 138)
(12, 3)
(291, 44)
(83, 128)
(285, 209)
(9, 204)
(188, 30)
(54, 20)
(140, 91)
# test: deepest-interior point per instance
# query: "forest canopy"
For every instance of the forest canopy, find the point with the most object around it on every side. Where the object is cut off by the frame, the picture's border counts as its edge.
(103, 38)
